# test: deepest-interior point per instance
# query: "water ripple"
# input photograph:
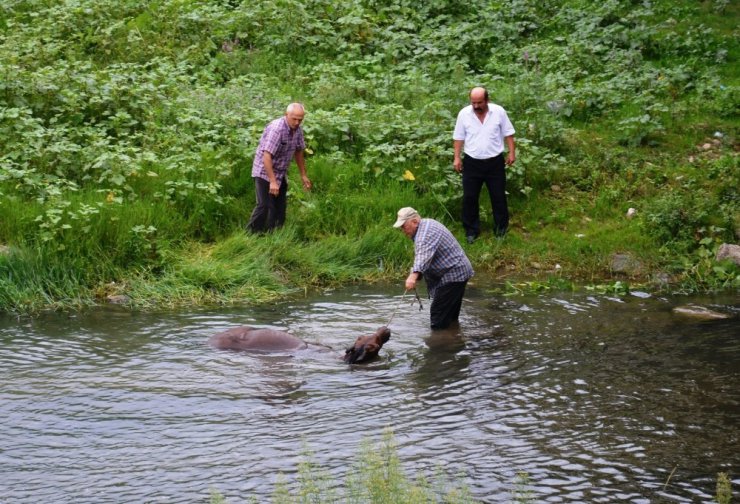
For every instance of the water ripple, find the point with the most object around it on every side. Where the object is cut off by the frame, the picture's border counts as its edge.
(595, 398)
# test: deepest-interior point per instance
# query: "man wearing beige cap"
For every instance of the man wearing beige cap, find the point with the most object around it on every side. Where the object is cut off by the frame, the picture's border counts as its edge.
(440, 259)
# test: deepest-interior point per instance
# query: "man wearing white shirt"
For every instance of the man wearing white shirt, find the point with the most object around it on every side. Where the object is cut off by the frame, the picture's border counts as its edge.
(481, 130)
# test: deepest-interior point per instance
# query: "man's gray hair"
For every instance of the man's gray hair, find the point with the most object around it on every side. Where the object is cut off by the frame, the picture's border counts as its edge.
(293, 106)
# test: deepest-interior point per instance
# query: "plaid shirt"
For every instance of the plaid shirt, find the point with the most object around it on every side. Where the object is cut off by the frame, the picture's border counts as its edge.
(438, 256)
(278, 140)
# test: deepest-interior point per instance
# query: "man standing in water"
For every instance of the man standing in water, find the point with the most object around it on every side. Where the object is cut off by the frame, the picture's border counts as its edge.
(441, 261)
(480, 132)
(281, 141)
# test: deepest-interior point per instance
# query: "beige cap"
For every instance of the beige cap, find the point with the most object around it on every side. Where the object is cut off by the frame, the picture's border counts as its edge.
(404, 214)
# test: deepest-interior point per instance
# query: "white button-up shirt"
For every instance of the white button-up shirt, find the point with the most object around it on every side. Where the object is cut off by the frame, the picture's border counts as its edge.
(483, 140)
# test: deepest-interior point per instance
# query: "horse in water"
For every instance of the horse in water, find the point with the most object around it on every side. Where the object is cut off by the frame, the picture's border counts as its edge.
(250, 339)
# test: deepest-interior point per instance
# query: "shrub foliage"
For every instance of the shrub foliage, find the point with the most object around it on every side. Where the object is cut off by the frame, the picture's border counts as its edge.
(127, 128)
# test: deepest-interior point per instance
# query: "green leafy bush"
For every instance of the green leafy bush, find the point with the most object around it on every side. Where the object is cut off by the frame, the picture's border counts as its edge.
(120, 117)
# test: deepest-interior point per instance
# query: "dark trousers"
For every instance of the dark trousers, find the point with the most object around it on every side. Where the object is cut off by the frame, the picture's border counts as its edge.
(270, 210)
(446, 304)
(491, 172)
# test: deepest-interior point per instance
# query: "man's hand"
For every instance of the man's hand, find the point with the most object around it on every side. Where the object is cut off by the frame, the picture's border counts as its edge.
(411, 281)
(274, 188)
(307, 185)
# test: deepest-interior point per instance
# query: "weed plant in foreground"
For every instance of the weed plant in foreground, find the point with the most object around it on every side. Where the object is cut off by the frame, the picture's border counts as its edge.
(377, 477)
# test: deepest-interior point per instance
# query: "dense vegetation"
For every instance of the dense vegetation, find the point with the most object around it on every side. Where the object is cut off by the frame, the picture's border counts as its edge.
(127, 130)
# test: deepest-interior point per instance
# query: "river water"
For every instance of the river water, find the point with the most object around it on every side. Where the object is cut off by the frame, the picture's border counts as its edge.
(596, 398)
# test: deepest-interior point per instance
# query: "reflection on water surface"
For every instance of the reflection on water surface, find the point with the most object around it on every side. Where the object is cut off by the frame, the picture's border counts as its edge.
(598, 399)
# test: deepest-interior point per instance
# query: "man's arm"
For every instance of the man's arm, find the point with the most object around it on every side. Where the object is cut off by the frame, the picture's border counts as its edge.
(457, 162)
(300, 160)
(412, 279)
(267, 161)
(511, 157)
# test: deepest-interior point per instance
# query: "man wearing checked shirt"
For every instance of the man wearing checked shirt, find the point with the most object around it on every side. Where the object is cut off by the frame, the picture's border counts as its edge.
(281, 141)
(441, 261)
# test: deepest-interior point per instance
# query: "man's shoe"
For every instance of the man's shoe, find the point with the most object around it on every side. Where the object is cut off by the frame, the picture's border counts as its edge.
(470, 238)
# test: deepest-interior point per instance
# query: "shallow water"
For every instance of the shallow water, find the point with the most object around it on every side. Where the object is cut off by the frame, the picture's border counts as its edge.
(596, 398)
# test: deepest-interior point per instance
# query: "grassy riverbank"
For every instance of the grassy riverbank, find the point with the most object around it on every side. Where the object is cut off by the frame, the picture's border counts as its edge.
(127, 131)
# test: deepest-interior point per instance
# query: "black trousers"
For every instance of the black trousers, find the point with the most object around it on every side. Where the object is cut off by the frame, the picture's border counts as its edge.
(491, 172)
(270, 210)
(446, 304)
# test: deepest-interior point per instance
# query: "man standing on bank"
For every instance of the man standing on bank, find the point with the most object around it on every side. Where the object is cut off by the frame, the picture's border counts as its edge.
(281, 141)
(439, 258)
(480, 132)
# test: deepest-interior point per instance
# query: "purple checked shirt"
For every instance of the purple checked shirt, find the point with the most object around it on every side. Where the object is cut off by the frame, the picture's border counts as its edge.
(278, 140)
(438, 256)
